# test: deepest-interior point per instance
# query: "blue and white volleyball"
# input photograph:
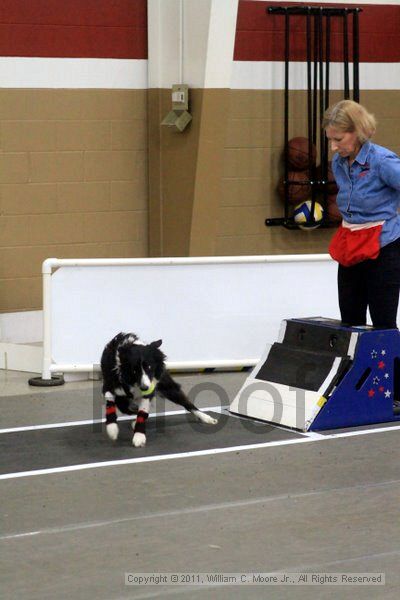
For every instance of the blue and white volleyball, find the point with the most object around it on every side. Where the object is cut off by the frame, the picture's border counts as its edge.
(303, 217)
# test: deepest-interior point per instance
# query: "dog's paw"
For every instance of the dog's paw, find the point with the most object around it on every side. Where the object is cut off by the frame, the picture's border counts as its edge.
(210, 420)
(205, 418)
(139, 440)
(112, 431)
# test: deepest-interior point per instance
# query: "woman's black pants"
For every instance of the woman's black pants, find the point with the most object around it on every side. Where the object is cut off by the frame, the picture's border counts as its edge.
(373, 284)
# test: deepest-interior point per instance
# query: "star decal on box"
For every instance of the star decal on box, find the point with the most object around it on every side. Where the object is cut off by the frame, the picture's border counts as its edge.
(378, 370)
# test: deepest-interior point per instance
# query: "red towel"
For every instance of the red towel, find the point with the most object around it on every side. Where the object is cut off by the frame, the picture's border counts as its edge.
(351, 247)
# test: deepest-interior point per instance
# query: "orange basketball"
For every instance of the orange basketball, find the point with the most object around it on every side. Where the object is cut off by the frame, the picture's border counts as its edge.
(331, 186)
(297, 192)
(332, 209)
(298, 155)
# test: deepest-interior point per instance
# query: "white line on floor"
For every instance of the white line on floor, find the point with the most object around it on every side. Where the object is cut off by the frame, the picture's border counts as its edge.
(289, 496)
(208, 452)
(97, 421)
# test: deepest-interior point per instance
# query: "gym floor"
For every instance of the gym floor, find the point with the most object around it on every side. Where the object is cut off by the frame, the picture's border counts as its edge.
(79, 512)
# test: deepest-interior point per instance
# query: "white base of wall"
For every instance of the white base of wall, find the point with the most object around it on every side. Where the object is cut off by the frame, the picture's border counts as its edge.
(22, 327)
(21, 357)
(28, 358)
(21, 335)
(21, 345)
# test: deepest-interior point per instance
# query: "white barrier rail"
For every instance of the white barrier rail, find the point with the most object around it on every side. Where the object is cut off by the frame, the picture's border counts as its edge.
(209, 311)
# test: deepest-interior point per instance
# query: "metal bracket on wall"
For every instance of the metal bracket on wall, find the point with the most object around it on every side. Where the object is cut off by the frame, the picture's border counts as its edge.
(179, 117)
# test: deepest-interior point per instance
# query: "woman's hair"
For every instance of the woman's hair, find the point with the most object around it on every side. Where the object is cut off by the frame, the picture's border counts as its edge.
(349, 116)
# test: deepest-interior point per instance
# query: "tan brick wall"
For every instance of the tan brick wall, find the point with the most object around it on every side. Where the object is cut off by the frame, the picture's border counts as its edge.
(253, 164)
(73, 182)
(74, 178)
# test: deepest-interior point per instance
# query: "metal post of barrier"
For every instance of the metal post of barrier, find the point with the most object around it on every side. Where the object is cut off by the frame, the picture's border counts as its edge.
(47, 379)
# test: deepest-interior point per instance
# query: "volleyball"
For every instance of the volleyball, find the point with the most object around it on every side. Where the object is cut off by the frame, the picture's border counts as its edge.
(303, 217)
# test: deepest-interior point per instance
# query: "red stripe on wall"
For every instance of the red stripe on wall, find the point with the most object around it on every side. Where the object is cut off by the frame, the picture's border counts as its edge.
(74, 28)
(260, 36)
(75, 12)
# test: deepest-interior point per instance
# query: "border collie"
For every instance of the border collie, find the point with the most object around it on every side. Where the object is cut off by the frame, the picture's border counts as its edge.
(133, 373)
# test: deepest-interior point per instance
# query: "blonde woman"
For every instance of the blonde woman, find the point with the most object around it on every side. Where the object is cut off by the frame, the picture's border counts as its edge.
(367, 244)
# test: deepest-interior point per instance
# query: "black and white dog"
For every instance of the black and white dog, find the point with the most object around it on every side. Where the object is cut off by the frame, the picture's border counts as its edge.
(133, 373)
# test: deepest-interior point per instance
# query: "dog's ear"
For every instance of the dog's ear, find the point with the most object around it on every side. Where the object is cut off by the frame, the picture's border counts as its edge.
(123, 351)
(159, 358)
(156, 344)
(123, 355)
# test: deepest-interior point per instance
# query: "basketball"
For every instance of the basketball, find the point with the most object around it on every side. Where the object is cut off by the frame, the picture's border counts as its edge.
(330, 186)
(332, 209)
(303, 216)
(298, 154)
(297, 191)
